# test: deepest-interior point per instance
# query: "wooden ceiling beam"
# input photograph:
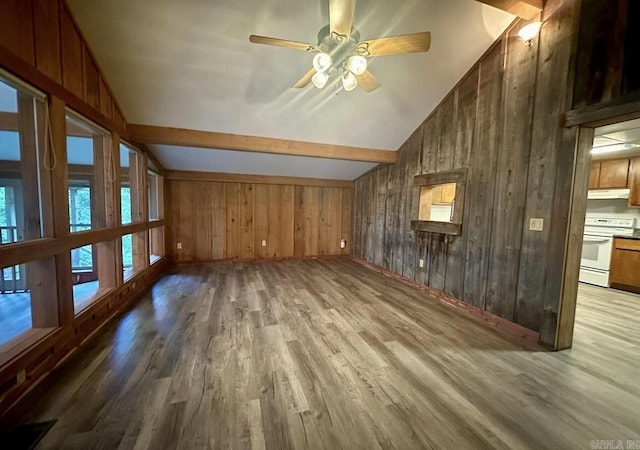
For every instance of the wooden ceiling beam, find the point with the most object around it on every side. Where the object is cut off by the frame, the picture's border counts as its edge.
(208, 139)
(527, 9)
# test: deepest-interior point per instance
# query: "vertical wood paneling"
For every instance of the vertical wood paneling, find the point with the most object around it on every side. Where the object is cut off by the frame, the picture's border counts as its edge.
(215, 220)
(46, 18)
(106, 102)
(511, 187)
(465, 113)
(330, 221)
(16, 28)
(186, 226)
(503, 122)
(601, 51)
(551, 153)
(347, 214)
(238, 207)
(307, 220)
(91, 81)
(261, 219)
(281, 221)
(412, 168)
(482, 176)
(204, 220)
(446, 146)
(356, 235)
(72, 49)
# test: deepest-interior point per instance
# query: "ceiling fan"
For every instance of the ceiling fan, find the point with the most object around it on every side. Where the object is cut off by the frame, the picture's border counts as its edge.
(339, 48)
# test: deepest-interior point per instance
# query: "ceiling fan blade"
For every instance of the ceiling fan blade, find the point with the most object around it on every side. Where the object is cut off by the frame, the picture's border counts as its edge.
(305, 79)
(341, 16)
(407, 43)
(281, 43)
(368, 82)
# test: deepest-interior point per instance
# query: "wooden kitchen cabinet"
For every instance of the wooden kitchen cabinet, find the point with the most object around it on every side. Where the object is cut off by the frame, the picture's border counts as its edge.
(594, 175)
(625, 265)
(634, 182)
(614, 174)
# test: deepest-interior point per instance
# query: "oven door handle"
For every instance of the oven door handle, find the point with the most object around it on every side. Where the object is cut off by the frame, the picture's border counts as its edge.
(594, 240)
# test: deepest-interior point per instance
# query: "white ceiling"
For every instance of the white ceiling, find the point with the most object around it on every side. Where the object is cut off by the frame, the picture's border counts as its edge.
(627, 132)
(189, 64)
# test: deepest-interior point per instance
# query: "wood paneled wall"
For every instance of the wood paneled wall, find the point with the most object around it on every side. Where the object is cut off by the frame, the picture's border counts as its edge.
(41, 43)
(504, 122)
(608, 66)
(215, 220)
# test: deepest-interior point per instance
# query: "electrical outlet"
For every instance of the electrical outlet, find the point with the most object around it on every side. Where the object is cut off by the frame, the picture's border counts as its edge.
(421, 263)
(264, 243)
(21, 377)
(179, 245)
(343, 244)
(536, 224)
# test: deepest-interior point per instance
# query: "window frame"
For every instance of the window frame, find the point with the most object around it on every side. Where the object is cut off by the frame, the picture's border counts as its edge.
(454, 228)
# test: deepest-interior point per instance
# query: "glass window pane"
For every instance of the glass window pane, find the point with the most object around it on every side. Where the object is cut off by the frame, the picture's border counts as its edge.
(156, 244)
(154, 192)
(134, 254)
(86, 156)
(93, 273)
(22, 172)
(15, 303)
(130, 181)
(22, 287)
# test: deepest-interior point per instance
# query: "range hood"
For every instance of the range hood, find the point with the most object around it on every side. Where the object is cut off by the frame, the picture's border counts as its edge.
(604, 194)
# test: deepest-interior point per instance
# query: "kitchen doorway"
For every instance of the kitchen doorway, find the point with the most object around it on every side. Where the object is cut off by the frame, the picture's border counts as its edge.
(604, 232)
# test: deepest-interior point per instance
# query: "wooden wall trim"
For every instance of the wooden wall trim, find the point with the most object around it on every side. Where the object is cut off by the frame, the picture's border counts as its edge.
(209, 139)
(618, 109)
(527, 9)
(257, 179)
(573, 243)
(25, 251)
(524, 335)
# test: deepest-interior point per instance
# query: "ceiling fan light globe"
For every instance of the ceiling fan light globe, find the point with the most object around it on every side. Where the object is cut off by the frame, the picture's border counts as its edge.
(319, 79)
(349, 81)
(357, 64)
(322, 62)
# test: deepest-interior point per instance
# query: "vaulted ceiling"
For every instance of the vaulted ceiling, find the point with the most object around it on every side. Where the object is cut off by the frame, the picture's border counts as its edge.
(189, 64)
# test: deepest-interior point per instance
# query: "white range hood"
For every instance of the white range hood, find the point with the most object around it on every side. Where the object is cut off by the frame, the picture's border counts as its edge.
(603, 194)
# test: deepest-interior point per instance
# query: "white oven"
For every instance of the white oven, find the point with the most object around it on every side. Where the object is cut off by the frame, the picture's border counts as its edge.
(597, 245)
(596, 252)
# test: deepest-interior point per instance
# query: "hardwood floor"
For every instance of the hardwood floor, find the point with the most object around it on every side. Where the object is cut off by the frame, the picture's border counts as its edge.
(328, 354)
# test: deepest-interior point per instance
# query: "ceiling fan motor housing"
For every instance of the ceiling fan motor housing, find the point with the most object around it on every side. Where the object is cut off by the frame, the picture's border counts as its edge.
(338, 46)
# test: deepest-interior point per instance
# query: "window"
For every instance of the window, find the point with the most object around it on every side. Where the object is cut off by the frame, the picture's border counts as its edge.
(441, 202)
(92, 277)
(154, 193)
(134, 254)
(24, 176)
(26, 298)
(89, 171)
(156, 244)
(131, 174)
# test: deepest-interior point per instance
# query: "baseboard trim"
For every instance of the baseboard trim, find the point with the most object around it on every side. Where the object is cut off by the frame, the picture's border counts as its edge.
(525, 336)
(254, 260)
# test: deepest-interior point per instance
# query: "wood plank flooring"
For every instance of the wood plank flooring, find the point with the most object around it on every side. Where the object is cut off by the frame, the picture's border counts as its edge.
(328, 354)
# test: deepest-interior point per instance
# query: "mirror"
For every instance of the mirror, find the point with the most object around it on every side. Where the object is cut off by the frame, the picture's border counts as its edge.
(441, 202)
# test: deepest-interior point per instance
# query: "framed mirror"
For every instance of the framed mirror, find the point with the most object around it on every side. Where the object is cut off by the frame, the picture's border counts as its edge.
(441, 202)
